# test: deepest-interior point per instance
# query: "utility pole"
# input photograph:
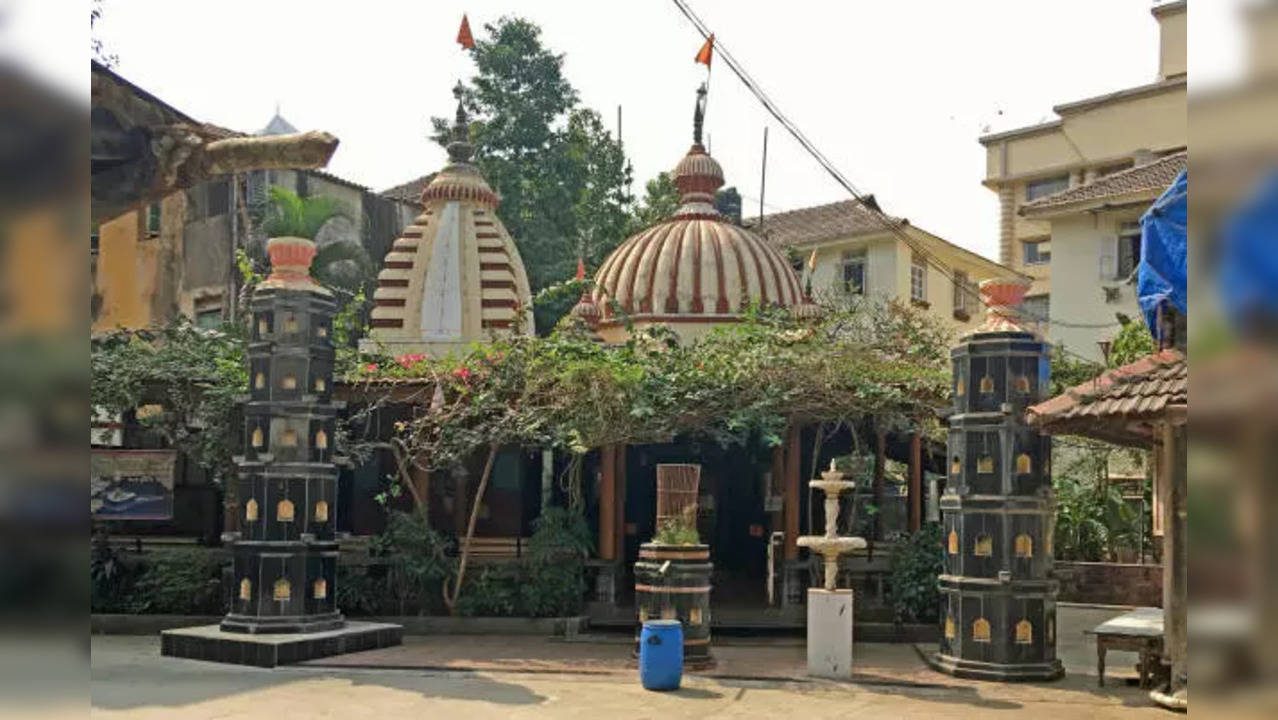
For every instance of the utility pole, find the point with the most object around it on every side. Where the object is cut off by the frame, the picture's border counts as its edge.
(763, 177)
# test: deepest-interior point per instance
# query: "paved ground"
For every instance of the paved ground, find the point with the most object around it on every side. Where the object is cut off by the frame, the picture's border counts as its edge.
(526, 678)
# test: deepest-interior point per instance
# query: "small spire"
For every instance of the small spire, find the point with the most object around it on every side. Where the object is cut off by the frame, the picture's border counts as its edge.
(699, 115)
(459, 147)
(581, 269)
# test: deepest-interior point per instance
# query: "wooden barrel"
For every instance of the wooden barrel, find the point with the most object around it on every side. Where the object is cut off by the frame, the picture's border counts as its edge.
(680, 593)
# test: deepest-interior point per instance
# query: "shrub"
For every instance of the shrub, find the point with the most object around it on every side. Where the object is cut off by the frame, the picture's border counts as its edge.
(918, 562)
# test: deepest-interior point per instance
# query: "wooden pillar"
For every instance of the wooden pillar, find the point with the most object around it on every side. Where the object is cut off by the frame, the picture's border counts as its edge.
(1175, 560)
(607, 503)
(880, 467)
(916, 481)
(791, 503)
(619, 458)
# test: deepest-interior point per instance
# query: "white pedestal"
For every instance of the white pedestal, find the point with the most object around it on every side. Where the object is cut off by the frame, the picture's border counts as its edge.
(829, 633)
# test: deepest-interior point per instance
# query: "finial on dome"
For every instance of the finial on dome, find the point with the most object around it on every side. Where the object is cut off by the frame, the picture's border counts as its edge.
(699, 115)
(459, 148)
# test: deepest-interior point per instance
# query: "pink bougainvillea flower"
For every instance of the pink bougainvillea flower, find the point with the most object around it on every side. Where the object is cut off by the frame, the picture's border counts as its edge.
(371, 367)
(462, 373)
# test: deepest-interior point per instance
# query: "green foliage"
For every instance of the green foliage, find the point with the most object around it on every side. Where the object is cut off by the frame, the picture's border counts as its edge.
(196, 376)
(1068, 370)
(179, 582)
(349, 325)
(737, 383)
(1093, 521)
(675, 532)
(1132, 343)
(563, 178)
(660, 200)
(915, 567)
(548, 582)
(292, 215)
(418, 561)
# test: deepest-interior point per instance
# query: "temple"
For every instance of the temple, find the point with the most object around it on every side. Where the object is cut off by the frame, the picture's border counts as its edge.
(692, 270)
(454, 277)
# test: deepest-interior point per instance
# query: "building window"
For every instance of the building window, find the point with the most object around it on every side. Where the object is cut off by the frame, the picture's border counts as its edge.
(984, 546)
(1047, 186)
(1035, 309)
(209, 319)
(854, 273)
(964, 293)
(918, 279)
(1037, 252)
(1128, 249)
(153, 219)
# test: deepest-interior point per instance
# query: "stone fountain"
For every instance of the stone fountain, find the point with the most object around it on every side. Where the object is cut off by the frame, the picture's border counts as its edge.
(830, 608)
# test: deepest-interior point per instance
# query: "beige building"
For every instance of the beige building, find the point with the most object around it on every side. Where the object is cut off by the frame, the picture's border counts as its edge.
(860, 251)
(1090, 139)
(1095, 237)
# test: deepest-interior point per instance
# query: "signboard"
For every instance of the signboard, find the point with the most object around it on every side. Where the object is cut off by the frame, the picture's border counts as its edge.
(131, 484)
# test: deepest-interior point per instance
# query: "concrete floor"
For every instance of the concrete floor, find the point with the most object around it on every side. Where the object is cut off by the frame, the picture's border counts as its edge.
(130, 680)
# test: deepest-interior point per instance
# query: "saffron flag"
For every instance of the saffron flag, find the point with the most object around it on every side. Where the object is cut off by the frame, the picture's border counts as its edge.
(581, 269)
(464, 38)
(706, 52)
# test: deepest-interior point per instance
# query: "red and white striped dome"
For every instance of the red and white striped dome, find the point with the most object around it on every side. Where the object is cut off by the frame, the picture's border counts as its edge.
(695, 267)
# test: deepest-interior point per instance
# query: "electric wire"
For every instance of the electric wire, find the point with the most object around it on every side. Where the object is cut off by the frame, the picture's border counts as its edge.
(893, 227)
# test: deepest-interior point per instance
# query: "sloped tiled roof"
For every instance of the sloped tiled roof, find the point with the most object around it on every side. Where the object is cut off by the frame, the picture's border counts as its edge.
(1153, 177)
(409, 192)
(1113, 405)
(823, 222)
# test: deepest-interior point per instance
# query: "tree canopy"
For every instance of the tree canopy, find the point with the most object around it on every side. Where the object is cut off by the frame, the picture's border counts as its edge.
(563, 177)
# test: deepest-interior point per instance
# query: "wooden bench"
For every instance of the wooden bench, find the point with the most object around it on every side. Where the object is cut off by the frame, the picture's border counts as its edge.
(495, 549)
(1141, 631)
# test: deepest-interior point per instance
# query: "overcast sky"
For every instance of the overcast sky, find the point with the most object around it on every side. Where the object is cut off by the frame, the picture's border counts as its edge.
(895, 93)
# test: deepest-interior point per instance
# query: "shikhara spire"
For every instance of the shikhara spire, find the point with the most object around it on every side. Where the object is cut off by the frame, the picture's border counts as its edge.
(699, 115)
(459, 148)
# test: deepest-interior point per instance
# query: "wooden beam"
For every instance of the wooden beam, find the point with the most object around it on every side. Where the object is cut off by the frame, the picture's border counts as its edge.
(421, 487)
(1175, 560)
(791, 504)
(607, 503)
(880, 468)
(916, 481)
(619, 458)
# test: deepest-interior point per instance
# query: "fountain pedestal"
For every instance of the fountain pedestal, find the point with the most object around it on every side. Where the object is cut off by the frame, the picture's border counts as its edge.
(829, 633)
(830, 608)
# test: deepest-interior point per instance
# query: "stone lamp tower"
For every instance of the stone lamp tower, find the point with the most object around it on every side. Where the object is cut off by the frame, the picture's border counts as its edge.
(283, 596)
(998, 599)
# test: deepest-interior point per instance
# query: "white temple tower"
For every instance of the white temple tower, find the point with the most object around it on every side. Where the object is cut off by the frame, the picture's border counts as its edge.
(454, 277)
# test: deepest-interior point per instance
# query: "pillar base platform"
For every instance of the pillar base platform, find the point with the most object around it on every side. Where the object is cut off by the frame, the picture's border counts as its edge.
(211, 643)
(977, 670)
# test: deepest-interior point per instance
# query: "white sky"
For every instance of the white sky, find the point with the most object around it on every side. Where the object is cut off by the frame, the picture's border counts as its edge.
(895, 93)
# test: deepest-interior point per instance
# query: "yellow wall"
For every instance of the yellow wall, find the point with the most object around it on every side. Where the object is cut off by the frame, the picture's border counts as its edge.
(138, 273)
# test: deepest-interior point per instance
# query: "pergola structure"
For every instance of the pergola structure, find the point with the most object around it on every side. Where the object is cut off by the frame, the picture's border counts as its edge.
(1144, 405)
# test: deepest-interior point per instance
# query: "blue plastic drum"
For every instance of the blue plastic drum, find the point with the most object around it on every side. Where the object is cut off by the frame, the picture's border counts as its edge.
(661, 654)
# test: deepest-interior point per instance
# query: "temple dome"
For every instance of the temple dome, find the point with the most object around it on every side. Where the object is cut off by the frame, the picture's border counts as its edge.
(454, 277)
(694, 268)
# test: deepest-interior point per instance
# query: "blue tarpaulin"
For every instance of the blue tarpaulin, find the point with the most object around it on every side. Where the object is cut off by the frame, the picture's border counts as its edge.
(1249, 260)
(1161, 279)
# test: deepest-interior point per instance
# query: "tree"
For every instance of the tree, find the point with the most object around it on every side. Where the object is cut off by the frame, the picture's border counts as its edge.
(660, 200)
(562, 176)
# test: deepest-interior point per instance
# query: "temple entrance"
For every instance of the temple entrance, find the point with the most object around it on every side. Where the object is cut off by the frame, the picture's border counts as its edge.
(732, 516)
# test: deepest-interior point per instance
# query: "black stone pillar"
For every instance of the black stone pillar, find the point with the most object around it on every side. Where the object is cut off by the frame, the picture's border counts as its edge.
(285, 555)
(998, 597)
